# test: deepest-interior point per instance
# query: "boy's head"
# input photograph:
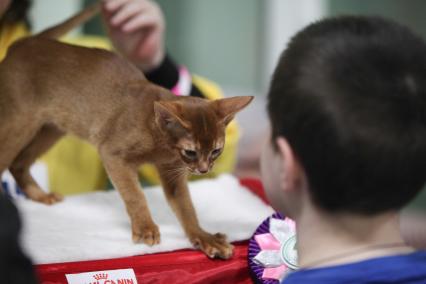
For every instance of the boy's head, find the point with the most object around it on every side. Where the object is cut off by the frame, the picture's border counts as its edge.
(347, 105)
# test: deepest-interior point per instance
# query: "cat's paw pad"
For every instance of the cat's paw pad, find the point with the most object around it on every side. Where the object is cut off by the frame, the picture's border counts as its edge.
(214, 246)
(149, 235)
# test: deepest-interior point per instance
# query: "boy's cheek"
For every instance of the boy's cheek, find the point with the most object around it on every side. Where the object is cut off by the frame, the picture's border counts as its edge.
(264, 166)
(270, 174)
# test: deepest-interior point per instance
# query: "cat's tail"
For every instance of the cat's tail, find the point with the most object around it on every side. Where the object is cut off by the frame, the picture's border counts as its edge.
(66, 26)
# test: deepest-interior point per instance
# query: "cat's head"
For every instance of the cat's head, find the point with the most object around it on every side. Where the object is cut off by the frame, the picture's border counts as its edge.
(195, 127)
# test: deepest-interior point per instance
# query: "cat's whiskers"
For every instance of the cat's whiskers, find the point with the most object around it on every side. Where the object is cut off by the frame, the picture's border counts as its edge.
(174, 174)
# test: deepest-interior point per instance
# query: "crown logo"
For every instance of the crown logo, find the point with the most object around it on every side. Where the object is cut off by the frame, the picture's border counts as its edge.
(101, 276)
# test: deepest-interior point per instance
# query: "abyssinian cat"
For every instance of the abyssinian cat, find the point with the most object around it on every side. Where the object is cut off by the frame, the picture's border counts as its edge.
(48, 88)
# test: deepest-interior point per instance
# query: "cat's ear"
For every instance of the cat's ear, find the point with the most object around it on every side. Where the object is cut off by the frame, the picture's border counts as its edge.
(227, 108)
(167, 116)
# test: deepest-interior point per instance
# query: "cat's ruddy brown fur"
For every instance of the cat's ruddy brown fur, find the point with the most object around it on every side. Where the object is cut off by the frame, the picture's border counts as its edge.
(48, 88)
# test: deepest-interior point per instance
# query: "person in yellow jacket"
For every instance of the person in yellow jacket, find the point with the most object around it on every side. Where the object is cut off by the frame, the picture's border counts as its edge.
(136, 30)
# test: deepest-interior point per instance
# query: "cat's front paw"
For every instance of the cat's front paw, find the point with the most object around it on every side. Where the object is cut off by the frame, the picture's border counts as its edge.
(214, 246)
(148, 234)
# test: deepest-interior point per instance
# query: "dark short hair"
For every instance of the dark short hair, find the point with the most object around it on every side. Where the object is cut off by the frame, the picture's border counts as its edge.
(349, 95)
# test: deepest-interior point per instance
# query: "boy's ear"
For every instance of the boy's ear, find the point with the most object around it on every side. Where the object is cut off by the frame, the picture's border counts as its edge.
(227, 108)
(292, 174)
(167, 116)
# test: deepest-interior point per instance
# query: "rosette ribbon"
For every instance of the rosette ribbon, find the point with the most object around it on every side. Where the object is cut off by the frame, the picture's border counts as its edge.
(278, 253)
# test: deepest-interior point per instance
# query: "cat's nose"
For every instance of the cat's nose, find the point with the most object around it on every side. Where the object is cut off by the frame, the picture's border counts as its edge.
(203, 168)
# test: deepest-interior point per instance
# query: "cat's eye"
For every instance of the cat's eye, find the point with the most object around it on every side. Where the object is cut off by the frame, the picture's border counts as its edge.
(216, 152)
(190, 154)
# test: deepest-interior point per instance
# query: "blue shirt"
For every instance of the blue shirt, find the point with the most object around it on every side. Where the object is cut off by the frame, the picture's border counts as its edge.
(407, 269)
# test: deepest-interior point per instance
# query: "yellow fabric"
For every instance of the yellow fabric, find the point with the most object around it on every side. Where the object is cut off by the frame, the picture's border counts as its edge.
(74, 166)
(88, 41)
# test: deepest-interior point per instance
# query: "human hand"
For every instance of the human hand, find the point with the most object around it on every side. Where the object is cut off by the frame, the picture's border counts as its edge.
(136, 29)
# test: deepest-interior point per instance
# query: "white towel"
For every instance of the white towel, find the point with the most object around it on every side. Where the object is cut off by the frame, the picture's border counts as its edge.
(96, 226)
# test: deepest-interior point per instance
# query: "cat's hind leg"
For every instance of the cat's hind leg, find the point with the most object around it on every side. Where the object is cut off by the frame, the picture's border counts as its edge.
(20, 167)
(15, 133)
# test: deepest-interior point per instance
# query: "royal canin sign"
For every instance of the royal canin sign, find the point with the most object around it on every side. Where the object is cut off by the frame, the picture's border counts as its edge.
(120, 276)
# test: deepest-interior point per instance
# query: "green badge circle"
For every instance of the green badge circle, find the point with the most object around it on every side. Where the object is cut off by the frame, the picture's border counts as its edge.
(289, 252)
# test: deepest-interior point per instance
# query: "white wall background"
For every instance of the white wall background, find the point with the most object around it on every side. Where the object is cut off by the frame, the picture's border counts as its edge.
(283, 18)
(46, 13)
